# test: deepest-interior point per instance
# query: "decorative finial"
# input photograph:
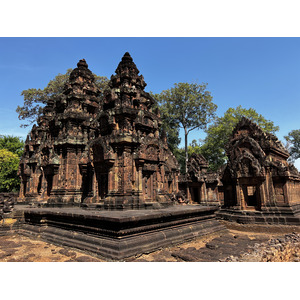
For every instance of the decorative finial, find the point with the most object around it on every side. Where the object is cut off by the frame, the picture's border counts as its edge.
(82, 64)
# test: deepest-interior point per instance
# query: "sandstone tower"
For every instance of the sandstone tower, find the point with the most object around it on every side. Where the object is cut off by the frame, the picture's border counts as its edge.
(99, 151)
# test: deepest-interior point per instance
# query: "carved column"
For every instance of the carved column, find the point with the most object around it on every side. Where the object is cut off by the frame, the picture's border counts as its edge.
(238, 194)
(286, 192)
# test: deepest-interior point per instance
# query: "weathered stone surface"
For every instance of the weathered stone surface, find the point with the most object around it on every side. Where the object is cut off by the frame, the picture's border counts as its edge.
(105, 154)
(198, 185)
(7, 201)
(99, 151)
(260, 186)
(232, 246)
(282, 249)
(118, 234)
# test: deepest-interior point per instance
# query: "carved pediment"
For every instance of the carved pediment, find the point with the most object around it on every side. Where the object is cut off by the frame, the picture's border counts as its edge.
(246, 165)
(197, 165)
(246, 158)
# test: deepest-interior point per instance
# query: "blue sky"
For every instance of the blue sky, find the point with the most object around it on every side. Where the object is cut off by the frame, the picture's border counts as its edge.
(262, 73)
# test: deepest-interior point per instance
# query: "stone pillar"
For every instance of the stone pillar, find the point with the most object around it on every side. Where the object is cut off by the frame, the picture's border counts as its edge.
(139, 179)
(127, 170)
(203, 194)
(244, 196)
(238, 194)
(263, 193)
(286, 192)
(188, 194)
(95, 187)
(271, 191)
(55, 175)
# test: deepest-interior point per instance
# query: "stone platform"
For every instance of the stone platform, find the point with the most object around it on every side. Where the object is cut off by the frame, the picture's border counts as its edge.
(289, 215)
(119, 234)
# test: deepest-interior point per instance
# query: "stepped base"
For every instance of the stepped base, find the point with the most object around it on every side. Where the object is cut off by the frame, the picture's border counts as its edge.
(119, 234)
(288, 215)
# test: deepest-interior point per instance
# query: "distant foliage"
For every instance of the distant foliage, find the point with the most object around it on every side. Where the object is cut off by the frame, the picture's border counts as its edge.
(9, 163)
(12, 143)
(293, 139)
(11, 149)
(169, 126)
(36, 99)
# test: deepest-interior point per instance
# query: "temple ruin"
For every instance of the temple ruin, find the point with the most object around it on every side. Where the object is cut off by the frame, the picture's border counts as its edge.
(99, 176)
(260, 186)
(200, 186)
(105, 152)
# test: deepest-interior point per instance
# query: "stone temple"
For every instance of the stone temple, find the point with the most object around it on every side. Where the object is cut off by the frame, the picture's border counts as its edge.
(103, 153)
(200, 186)
(99, 176)
(260, 186)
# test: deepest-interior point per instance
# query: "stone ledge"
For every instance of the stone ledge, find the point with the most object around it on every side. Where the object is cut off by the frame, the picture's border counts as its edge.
(279, 216)
(119, 234)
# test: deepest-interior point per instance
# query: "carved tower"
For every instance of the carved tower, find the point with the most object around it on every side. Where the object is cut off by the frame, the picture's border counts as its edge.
(132, 166)
(95, 151)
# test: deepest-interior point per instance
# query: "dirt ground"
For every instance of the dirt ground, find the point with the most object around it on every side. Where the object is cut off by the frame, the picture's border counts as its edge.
(233, 245)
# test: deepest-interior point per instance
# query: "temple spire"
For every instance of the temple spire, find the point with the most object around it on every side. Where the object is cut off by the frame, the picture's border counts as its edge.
(127, 65)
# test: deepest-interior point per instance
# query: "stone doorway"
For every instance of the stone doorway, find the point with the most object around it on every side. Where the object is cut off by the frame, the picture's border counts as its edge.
(102, 185)
(49, 179)
(195, 194)
(102, 182)
(251, 197)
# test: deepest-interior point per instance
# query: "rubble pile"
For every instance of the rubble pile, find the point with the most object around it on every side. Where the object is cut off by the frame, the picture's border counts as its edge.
(283, 249)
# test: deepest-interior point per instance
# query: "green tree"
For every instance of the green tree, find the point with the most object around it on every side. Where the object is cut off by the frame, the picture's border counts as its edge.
(12, 143)
(9, 163)
(219, 132)
(36, 99)
(11, 149)
(188, 106)
(169, 126)
(293, 139)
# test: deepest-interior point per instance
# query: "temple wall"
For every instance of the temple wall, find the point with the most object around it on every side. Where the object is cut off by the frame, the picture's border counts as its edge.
(212, 192)
(293, 189)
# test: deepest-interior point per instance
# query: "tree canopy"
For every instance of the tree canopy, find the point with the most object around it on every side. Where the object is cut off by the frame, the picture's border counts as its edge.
(36, 99)
(11, 149)
(293, 139)
(9, 163)
(169, 126)
(12, 143)
(188, 106)
(213, 148)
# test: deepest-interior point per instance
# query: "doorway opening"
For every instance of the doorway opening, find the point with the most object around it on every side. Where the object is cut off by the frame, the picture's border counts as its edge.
(251, 196)
(195, 195)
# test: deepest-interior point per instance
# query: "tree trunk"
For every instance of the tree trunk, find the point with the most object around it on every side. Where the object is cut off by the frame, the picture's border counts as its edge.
(186, 148)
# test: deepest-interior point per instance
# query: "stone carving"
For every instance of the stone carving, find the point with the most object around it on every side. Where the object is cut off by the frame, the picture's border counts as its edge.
(198, 185)
(6, 204)
(95, 150)
(257, 169)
